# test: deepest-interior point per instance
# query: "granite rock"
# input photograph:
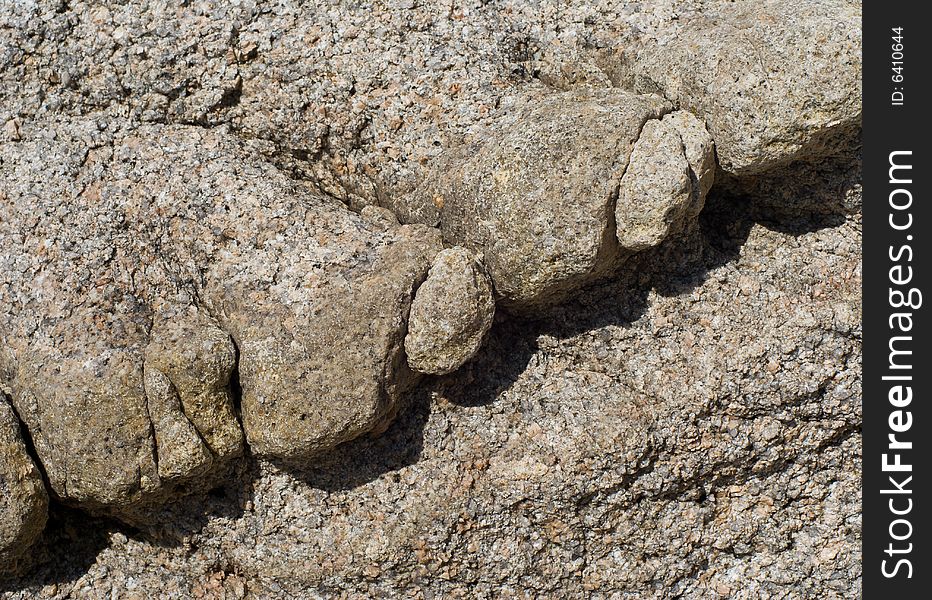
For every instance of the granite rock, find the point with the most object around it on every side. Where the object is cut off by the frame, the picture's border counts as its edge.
(23, 499)
(691, 428)
(565, 186)
(775, 81)
(451, 314)
(688, 427)
(147, 264)
(665, 184)
(536, 197)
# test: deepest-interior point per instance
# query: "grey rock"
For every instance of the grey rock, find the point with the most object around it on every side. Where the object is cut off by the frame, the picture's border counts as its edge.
(720, 423)
(379, 214)
(321, 351)
(159, 249)
(566, 186)
(670, 171)
(775, 81)
(536, 197)
(705, 402)
(23, 499)
(451, 314)
(700, 155)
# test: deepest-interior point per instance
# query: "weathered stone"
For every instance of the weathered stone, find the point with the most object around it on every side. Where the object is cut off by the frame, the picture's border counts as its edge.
(666, 181)
(379, 214)
(321, 350)
(700, 154)
(451, 313)
(775, 81)
(187, 369)
(23, 499)
(535, 197)
(133, 266)
(706, 402)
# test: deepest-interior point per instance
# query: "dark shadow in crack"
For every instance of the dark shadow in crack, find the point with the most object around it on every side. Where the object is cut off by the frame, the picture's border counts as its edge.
(817, 196)
(73, 538)
(223, 496)
(678, 266)
(65, 552)
(495, 368)
(824, 195)
(802, 196)
(365, 459)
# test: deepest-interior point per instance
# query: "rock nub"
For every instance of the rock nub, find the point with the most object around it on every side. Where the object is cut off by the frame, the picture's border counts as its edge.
(187, 370)
(451, 314)
(668, 176)
(321, 344)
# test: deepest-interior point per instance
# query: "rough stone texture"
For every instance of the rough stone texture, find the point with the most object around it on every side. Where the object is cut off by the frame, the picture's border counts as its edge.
(688, 429)
(536, 196)
(775, 81)
(359, 97)
(134, 264)
(559, 190)
(665, 183)
(699, 148)
(451, 313)
(186, 377)
(23, 499)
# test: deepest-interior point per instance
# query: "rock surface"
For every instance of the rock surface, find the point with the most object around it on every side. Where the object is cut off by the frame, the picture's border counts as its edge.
(558, 191)
(132, 270)
(23, 499)
(451, 314)
(775, 81)
(664, 186)
(535, 196)
(687, 428)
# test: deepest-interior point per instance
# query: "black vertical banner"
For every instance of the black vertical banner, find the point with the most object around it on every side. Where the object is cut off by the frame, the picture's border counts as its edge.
(897, 171)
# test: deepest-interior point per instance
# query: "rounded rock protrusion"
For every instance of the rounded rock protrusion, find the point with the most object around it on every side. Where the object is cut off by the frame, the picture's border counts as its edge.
(534, 192)
(787, 88)
(664, 186)
(451, 314)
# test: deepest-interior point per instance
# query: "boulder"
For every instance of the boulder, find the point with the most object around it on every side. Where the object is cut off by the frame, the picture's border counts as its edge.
(775, 81)
(535, 195)
(143, 271)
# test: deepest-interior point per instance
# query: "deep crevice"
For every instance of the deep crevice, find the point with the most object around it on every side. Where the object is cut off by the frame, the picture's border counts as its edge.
(26, 435)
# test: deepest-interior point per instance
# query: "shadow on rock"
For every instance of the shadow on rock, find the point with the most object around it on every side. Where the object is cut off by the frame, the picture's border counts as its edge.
(223, 497)
(365, 459)
(800, 199)
(802, 196)
(68, 547)
(498, 364)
